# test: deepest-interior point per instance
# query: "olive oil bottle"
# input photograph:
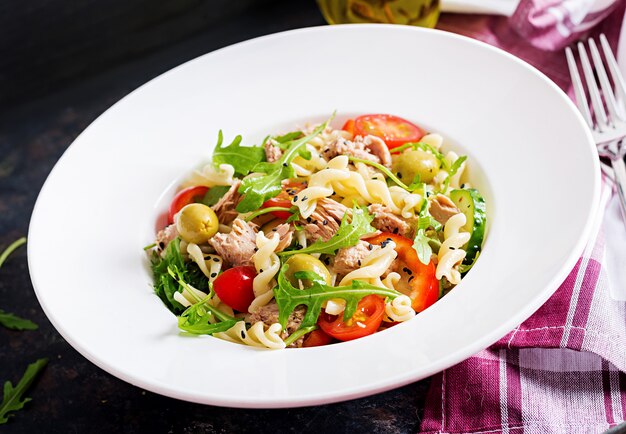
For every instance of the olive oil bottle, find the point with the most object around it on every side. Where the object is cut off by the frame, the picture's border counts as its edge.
(422, 13)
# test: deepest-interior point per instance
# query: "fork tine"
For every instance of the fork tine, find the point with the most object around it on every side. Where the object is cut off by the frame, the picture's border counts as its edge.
(594, 94)
(609, 98)
(579, 91)
(616, 75)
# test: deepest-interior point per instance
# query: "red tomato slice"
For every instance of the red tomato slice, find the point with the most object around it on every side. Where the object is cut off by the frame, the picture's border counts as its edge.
(423, 282)
(365, 321)
(234, 287)
(349, 126)
(317, 338)
(394, 130)
(283, 199)
(183, 198)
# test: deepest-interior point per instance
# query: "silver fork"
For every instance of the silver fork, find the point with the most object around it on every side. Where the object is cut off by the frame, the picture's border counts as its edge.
(608, 129)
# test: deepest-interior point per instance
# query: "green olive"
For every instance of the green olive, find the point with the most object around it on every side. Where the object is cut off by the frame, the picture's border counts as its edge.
(302, 262)
(196, 223)
(416, 162)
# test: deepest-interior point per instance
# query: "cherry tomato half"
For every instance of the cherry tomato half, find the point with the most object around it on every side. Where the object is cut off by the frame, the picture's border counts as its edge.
(349, 126)
(283, 199)
(365, 321)
(185, 197)
(423, 282)
(317, 338)
(394, 130)
(234, 287)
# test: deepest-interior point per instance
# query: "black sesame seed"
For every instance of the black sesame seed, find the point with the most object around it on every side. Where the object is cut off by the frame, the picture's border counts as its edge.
(308, 219)
(256, 249)
(213, 274)
(370, 247)
(303, 199)
(274, 230)
(216, 260)
(326, 261)
(260, 270)
(295, 198)
(162, 245)
(395, 230)
(462, 185)
(284, 164)
(428, 194)
(325, 222)
(452, 248)
(243, 334)
(411, 278)
(359, 262)
(399, 175)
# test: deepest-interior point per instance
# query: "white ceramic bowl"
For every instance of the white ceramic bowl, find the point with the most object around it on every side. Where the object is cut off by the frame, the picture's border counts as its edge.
(530, 154)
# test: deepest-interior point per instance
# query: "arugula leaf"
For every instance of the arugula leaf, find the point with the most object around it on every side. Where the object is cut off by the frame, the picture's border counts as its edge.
(195, 319)
(242, 158)
(289, 298)
(422, 247)
(388, 173)
(14, 322)
(452, 171)
(347, 235)
(283, 141)
(13, 399)
(215, 194)
(257, 190)
(426, 220)
(165, 284)
(12, 247)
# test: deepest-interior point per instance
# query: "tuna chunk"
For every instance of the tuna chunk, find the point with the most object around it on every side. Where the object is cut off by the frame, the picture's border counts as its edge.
(268, 314)
(236, 247)
(165, 236)
(376, 146)
(386, 221)
(349, 258)
(343, 146)
(225, 207)
(285, 231)
(272, 153)
(324, 222)
(442, 208)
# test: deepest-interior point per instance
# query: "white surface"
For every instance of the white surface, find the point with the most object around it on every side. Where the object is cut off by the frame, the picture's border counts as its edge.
(89, 270)
(498, 7)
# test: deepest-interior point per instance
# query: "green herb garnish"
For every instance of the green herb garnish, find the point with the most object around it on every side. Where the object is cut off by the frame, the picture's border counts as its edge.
(242, 158)
(390, 175)
(214, 194)
(257, 190)
(452, 171)
(289, 298)
(14, 322)
(13, 398)
(347, 235)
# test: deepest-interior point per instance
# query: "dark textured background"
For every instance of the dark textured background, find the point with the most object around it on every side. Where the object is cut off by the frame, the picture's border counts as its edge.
(62, 65)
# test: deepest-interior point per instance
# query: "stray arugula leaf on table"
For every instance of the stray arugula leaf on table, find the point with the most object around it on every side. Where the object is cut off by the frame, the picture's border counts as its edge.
(13, 397)
(347, 235)
(14, 322)
(7, 319)
(242, 158)
(289, 298)
(258, 189)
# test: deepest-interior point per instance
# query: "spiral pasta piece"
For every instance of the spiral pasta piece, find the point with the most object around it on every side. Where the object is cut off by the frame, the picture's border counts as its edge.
(210, 265)
(267, 265)
(399, 309)
(209, 176)
(373, 266)
(255, 336)
(450, 253)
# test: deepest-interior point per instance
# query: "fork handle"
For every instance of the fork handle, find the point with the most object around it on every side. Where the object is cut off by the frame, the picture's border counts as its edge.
(619, 168)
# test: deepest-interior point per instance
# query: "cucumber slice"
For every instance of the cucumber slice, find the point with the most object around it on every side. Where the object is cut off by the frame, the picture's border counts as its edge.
(472, 204)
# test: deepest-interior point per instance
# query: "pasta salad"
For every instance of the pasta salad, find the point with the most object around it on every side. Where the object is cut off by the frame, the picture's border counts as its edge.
(319, 235)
